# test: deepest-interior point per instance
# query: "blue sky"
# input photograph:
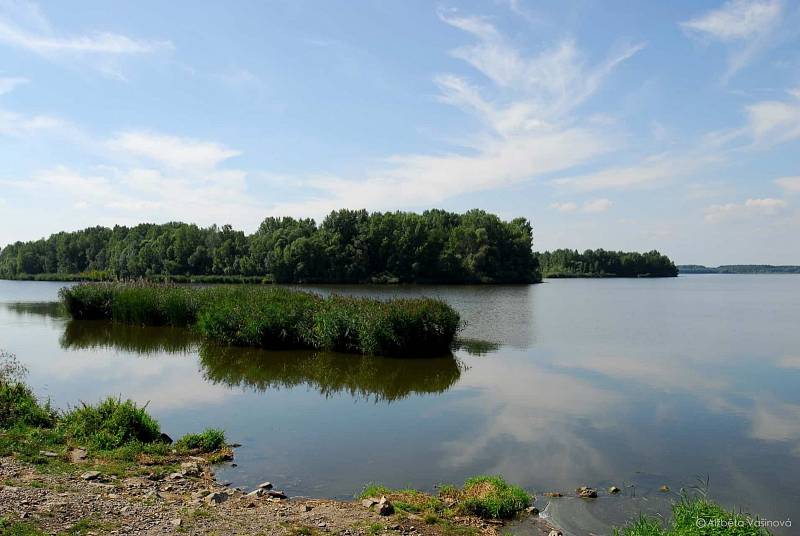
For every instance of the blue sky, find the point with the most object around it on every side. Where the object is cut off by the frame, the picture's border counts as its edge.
(623, 125)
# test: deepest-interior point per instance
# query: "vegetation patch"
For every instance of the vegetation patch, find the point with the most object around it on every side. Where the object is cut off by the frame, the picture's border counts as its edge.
(111, 424)
(276, 318)
(696, 516)
(210, 440)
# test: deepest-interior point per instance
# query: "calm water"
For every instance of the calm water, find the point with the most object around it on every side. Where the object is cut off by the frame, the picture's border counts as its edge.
(636, 383)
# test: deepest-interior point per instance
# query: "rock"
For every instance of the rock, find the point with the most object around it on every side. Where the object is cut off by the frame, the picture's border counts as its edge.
(190, 469)
(322, 524)
(91, 475)
(175, 476)
(449, 502)
(265, 485)
(77, 455)
(48, 454)
(385, 508)
(555, 533)
(256, 493)
(532, 510)
(613, 490)
(585, 492)
(368, 503)
(664, 488)
(216, 497)
(554, 494)
(276, 494)
(307, 508)
(176, 522)
(164, 438)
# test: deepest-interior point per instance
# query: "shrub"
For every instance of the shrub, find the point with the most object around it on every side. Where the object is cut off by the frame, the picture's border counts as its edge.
(110, 424)
(209, 440)
(18, 404)
(492, 497)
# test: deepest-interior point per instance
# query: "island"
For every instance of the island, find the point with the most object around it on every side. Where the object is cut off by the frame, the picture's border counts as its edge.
(602, 263)
(738, 269)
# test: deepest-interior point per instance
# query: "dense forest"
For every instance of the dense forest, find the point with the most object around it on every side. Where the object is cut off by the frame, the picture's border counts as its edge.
(349, 246)
(602, 263)
(739, 269)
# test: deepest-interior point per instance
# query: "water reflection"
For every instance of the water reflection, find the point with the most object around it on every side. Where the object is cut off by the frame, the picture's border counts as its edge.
(92, 334)
(49, 309)
(380, 378)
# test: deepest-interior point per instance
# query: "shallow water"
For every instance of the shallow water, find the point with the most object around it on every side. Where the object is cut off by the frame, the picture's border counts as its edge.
(636, 383)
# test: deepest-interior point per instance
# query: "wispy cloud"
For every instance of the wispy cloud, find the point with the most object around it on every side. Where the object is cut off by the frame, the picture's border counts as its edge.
(593, 206)
(8, 84)
(749, 209)
(773, 122)
(747, 26)
(789, 184)
(23, 25)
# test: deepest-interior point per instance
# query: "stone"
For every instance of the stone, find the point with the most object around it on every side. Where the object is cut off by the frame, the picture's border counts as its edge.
(265, 485)
(48, 454)
(369, 503)
(216, 497)
(91, 475)
(77, 455)
(385, 508)
(256, 493)
(175, 476)
(164, 438)
(664, 488)
(176, 522)
(614, 490)
(585, 492)
(532, 510)
(190, 469)
(555, 494)
(276, 494)
(555, 533)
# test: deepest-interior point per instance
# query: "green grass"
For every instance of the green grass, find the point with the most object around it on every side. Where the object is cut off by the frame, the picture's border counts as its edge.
(110, 424)
(492, 497)
(209, 440)
(482, 496)
(275, 317)
(18, 404)
(695, 516)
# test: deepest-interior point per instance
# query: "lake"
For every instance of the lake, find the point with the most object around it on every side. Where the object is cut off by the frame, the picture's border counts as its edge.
(638, 383)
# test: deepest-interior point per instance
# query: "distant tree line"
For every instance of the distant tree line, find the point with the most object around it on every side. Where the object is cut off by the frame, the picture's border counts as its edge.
(602, 263)
(349, 246)
(739, 269)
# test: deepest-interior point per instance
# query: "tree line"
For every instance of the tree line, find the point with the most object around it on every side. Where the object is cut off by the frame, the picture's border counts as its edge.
(349, 246)
(602, 263)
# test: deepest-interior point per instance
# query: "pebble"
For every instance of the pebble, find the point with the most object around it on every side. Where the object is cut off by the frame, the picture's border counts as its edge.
(90, 475)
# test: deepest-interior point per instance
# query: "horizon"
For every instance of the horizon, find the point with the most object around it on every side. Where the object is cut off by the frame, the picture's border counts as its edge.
(673, 128)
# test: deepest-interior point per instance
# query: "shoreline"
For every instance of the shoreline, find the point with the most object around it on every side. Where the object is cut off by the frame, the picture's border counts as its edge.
(192, 501)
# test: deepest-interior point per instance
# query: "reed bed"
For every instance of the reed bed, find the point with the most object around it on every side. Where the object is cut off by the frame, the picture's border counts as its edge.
(275, 317)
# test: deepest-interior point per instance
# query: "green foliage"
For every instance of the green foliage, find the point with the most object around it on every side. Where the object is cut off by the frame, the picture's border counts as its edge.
(492, 497)
(18, 404)
(17, 528)
(210, 440)
(739, 269)
(602, 263)
(110, 424)
(695, 517)
(349, 246)
(276, 317)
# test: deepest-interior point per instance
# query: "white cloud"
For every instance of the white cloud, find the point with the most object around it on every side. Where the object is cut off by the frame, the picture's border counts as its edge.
(17, 125)
(173, 151)
(656, 169)
(8, 84)
(790, 184)
(773, 122)
(598, 205)
(593, 206)
(746, 25)
(749, 209)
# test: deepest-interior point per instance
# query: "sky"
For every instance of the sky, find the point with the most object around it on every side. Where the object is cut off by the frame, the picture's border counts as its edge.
(623, 125)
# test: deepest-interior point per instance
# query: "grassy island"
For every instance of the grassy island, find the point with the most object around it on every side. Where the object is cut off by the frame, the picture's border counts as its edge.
(275, 317)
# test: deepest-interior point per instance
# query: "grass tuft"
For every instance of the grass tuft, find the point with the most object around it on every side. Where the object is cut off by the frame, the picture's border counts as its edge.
(110, 424)
(210, 440)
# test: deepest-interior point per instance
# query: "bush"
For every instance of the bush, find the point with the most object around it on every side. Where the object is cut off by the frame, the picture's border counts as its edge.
(209, 440)
(492, 497)
(110, 424)
(18, 404)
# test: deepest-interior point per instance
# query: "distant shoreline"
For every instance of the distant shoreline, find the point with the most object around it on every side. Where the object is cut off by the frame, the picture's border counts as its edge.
(739, 269)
